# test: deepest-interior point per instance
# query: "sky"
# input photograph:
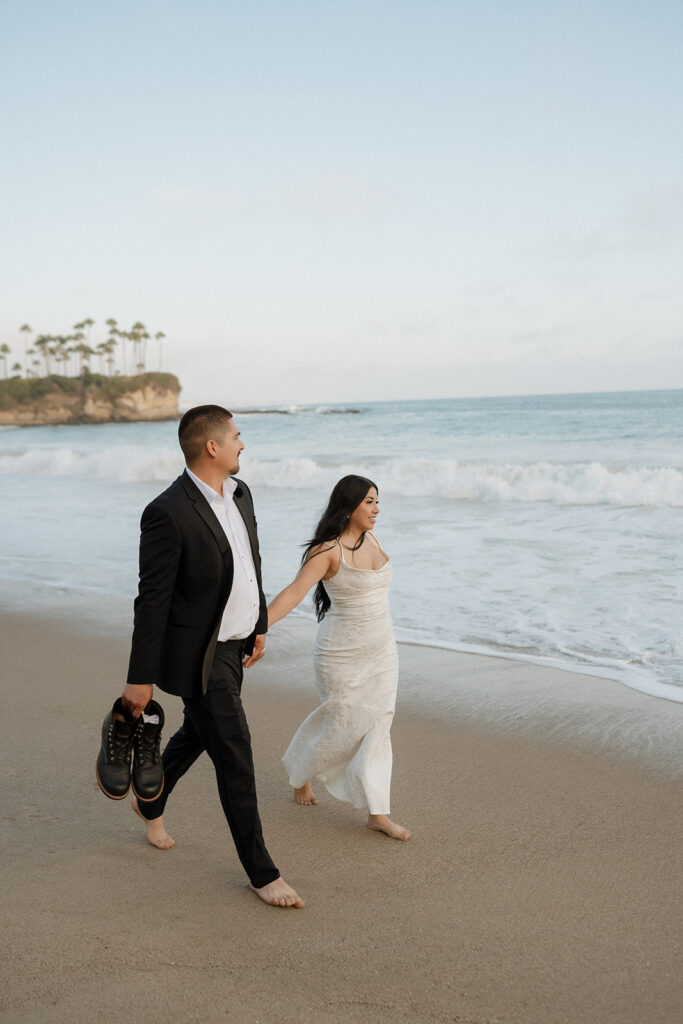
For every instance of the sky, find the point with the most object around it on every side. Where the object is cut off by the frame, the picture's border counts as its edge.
(322, 201)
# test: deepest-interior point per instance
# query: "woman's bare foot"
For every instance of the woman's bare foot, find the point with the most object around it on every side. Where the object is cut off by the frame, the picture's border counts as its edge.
(156, 833)
(380, 823)
(304, 795)
(278, 894)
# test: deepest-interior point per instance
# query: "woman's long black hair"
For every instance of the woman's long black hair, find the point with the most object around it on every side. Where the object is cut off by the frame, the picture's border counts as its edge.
(346, 496)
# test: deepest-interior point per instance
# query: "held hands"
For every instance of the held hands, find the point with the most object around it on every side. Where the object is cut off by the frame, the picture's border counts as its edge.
(136, 698)
(258, 652)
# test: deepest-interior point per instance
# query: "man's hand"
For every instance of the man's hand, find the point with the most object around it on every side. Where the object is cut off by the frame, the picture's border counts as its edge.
(136, 698)
(258, 652)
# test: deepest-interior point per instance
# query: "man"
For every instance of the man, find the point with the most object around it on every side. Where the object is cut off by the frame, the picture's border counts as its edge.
(200, 612)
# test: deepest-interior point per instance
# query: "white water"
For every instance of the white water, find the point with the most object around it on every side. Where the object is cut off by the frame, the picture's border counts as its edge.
(574, 484)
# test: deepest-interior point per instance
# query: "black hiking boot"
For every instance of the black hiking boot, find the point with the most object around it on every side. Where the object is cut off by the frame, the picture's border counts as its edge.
(148, 770)
(113, 762)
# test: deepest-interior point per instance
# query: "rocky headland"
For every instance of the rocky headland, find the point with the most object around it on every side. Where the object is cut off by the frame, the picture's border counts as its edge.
(90, 398)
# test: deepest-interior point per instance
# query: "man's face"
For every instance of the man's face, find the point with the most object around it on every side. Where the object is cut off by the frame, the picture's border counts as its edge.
(227, 450)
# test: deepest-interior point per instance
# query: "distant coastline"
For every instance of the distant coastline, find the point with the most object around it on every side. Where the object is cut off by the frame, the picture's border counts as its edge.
(89, 398)
(32, 395)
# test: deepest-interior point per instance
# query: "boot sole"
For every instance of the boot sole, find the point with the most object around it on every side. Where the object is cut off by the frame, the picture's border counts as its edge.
(148, 799)
(101, 785)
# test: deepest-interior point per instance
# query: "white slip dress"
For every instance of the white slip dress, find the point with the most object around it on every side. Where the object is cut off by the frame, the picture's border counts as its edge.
(345, 742)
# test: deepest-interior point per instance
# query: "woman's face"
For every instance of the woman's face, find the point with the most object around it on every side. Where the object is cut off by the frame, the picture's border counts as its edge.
(364, 515)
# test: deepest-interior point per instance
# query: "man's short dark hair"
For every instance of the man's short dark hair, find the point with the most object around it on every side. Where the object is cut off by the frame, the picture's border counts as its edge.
(199, 425)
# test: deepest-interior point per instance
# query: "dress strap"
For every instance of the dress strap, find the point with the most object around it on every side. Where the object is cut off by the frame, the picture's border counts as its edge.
(375, 541)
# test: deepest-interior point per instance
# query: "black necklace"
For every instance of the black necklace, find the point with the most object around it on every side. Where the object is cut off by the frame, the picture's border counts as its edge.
(356, 546)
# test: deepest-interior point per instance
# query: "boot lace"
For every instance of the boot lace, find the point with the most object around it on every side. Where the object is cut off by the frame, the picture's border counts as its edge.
(147, 746)
(119, 746)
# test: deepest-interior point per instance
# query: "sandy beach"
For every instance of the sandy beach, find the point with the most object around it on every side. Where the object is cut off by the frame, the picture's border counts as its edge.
(542, 885)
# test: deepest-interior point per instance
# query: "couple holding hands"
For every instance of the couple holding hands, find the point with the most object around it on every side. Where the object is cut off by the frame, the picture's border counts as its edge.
(201, 617)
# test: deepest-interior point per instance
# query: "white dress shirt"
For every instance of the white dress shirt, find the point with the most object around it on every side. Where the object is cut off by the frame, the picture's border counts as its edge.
(242, 610)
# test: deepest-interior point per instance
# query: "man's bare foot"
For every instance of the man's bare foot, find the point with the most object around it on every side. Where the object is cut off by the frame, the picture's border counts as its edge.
(156, 833)
(278, 894)
(380, 823)
(304, 795)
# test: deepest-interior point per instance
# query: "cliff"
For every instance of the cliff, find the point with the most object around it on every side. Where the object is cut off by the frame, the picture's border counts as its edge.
(92, 398)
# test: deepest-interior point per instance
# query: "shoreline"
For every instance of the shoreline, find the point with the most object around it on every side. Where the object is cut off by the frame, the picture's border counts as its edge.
(661, 691)
(34, 596)
(507, 694)
(537, 888)
(510, 697)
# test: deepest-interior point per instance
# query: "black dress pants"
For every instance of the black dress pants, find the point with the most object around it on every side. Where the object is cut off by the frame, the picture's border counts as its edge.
(216, 723)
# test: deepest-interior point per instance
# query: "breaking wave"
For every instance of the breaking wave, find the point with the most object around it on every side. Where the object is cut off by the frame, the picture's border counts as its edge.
(555, 483)
(297, 410)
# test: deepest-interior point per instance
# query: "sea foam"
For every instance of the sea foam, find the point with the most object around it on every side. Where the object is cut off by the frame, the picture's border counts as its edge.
(583, 483)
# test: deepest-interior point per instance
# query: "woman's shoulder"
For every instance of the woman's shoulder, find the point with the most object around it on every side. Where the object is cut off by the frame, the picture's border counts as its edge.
(328, 553)
(329, 547)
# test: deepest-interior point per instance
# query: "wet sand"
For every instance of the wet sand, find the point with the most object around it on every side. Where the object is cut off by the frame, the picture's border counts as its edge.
(542, 884)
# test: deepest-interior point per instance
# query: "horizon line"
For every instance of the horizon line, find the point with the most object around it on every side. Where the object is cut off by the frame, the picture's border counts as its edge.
(264, 406)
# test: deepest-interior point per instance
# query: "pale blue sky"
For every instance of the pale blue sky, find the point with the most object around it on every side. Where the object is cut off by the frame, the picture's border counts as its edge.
(322, 201)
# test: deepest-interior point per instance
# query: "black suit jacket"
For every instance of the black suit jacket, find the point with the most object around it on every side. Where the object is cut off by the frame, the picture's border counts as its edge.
(186, 572)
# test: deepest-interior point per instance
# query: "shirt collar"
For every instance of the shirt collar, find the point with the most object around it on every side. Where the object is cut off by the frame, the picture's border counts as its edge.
(229, 487)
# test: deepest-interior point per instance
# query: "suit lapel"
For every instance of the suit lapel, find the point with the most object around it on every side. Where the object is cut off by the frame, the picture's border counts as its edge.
(246, 511)
(204, 510)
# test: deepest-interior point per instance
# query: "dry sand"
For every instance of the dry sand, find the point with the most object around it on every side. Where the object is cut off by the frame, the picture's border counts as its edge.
(542, 885)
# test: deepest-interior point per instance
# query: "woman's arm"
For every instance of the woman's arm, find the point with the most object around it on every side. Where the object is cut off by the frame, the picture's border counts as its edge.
(317, 565)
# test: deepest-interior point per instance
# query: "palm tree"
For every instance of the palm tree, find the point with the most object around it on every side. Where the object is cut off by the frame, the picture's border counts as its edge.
(61, 352)
(16, 369)
(108, 347)
(4, 352)
(78, 337)
(25, 330)
(79, 349)
(44, 344)
(85, 325)
(112, 324)
(59, 359)
(72, 350)
(137, 331)
(145, 339)
(132, 337)
(83, 352)
(101, 351)
(124, 336)
(86, 355)
(159, 336)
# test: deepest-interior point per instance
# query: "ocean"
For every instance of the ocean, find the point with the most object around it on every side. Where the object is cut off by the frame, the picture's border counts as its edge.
(545, 528)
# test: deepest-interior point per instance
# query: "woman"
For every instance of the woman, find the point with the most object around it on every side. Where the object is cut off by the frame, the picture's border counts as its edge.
(345, 742)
